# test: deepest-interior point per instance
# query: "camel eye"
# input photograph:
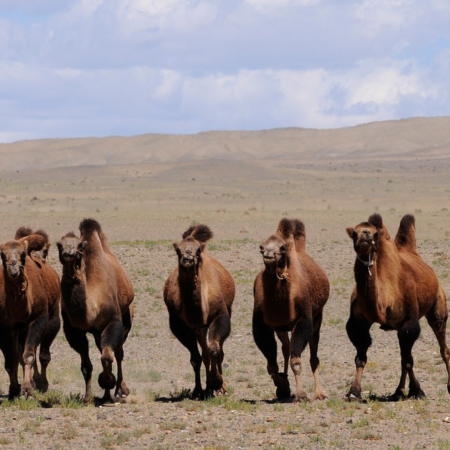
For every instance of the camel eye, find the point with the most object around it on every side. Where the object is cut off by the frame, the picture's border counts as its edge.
(283, 249)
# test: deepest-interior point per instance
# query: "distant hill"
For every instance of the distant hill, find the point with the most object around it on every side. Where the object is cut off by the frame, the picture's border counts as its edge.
(415, 137)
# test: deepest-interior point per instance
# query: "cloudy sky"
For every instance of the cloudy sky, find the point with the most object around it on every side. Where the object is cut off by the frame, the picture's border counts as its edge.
(72, 68)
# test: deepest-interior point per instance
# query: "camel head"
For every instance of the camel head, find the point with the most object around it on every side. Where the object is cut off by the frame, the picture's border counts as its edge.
(366, 235)
(14, 253)
(273, 251)
(70, 250)
(290, 236)
(190, 249)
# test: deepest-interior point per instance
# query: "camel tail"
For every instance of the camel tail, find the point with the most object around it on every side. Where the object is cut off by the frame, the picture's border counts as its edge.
(201, 233)
(406, 234)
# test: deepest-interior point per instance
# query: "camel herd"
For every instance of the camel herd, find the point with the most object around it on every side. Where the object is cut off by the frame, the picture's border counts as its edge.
(394, 288)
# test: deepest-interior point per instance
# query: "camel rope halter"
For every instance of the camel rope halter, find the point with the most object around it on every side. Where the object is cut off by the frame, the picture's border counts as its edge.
(285, 274)
(368, 263)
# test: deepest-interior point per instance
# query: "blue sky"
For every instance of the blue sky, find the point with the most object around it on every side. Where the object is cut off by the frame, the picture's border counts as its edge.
(73, 68)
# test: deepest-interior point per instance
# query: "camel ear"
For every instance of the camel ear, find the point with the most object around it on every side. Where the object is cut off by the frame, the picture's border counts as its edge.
(201, 248)
(351, 232)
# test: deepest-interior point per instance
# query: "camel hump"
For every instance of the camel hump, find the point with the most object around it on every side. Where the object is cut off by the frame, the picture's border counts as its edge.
(22, 232)
(293, 228)
(201, 233)
(377, 221)
(89, 226)
(35, 242)
(406, 234)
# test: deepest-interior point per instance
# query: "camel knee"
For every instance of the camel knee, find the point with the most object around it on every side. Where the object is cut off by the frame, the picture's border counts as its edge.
(107, 357)
(296, 365)
(214, 349)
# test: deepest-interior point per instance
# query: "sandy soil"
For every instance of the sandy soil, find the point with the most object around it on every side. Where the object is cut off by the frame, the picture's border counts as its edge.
(158, 413)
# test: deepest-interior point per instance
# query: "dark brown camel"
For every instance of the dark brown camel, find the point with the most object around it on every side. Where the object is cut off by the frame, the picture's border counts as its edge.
(290, 293)
(97, 298)
(395, 288)
(30, 314)
(199, 294)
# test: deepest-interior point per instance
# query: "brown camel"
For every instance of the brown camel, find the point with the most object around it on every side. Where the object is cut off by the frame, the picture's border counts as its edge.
(199, 294)
(395, 288)
(97, 298)
(30, 313)
(290, 293)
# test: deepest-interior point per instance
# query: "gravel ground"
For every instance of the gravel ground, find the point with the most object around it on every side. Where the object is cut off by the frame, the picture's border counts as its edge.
(158, 413)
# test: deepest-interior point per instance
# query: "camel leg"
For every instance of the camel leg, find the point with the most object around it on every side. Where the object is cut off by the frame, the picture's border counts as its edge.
(359, 335)
(218, 331)
(283, 336)
(77, 339)
(33, 338)
(437, 319)
(319, 394)
(9, 348)
(264, 337)
(122, 390)
(407, 336)
(188, 338)
(54, 325)
(111, 339)
(301, 335)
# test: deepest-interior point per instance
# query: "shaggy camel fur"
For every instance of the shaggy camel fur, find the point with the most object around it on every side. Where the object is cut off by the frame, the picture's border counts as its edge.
(199, 294)
(97, 298)
(290, 293)
(395, 288)
(30, 313)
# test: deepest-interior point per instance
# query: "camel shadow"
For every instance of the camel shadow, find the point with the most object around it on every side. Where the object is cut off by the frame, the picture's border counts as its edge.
(186, 394)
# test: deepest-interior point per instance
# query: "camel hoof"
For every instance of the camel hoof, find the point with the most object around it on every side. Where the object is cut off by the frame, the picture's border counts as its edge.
(398, 396)
(198, 394)
(283, 392)
(107, 380)
(215, 384)
(302, 397)
(320, 396)
(417, 394)
(122, 391)
(88, 399)
(14, 392)
(41, 384)
(26, 391)
(223, 390)
(351, 397)
(107, 397)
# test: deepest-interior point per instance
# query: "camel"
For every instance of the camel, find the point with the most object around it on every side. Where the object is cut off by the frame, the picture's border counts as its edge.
(97, 298)
(30, 311)
(290, 294)
(199, 295)
(394, 288)
(39, 254)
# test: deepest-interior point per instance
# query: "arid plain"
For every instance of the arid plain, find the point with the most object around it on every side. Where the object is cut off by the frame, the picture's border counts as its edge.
(144, 207)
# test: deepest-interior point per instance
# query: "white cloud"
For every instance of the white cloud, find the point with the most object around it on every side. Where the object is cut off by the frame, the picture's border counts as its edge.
(96, 67)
